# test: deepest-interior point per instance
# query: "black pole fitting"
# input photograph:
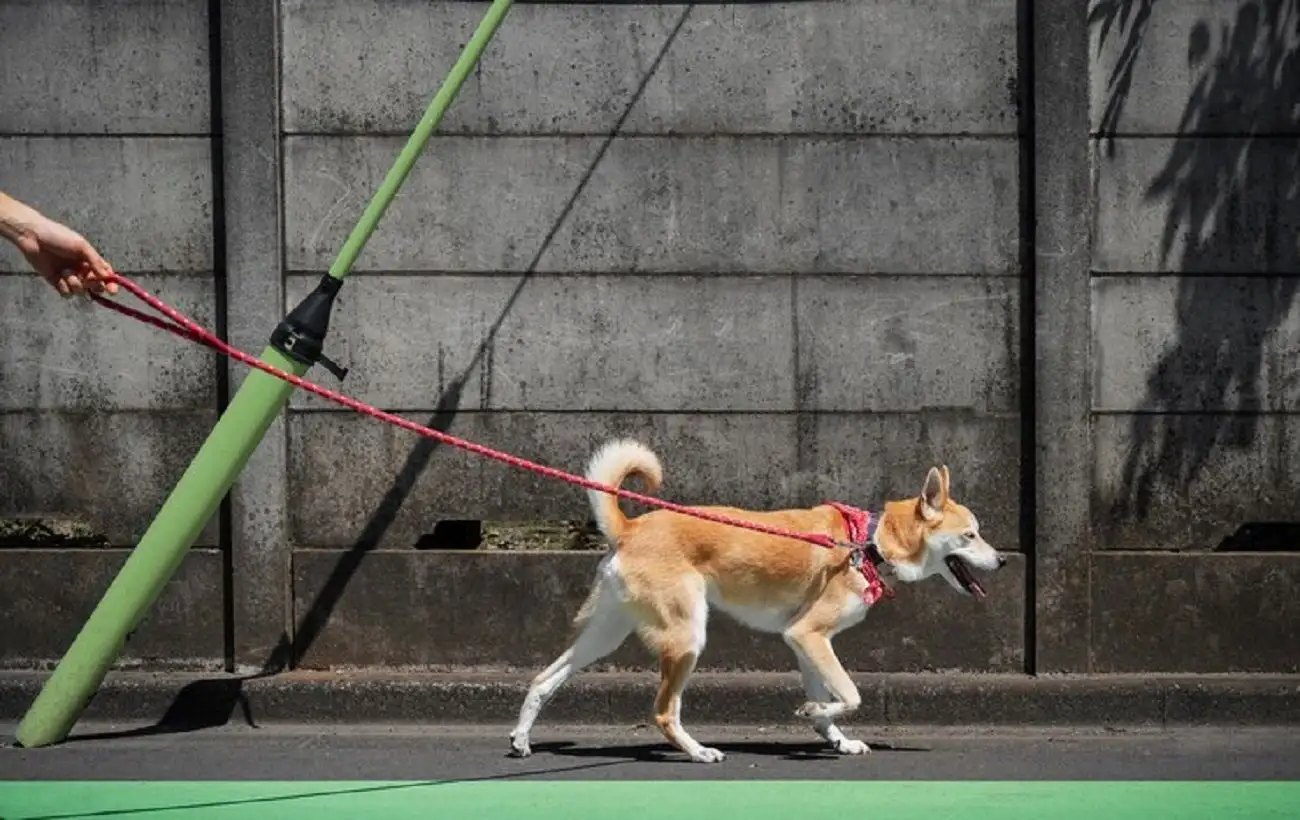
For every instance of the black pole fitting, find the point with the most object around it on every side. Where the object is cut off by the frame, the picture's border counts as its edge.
(301, 334)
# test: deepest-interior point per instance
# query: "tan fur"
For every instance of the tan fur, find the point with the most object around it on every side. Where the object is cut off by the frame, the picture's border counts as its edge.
(667, 569)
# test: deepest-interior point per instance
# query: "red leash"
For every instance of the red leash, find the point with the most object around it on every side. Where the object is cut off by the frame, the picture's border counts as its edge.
(184, 327)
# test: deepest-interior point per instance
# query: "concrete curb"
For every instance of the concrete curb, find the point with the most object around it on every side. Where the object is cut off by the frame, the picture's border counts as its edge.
(198, 700)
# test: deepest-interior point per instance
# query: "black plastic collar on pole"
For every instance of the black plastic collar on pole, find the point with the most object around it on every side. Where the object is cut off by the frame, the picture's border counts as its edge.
(301, 334)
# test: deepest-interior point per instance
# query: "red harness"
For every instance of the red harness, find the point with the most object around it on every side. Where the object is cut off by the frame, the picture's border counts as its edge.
(865, 557)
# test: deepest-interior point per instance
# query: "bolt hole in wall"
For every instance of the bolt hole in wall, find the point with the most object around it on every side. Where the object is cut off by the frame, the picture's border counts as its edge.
(511, 536)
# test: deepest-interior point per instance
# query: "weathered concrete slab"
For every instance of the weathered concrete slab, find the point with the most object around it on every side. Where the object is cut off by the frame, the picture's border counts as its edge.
(866, 458)
(1195, 343)
(699, 343)
(690, 205)
(448, 610)
(57, 355)
(551, 68)
(341, 466)
(1195, 613)
(151, 208)
(1256, 699)
(864, 67)
(1194, 66)
(1194, 205)
(468, 205)
(902, 344)
(803, 205)
(130, 66)
(869, 66)
(1187, 481)
(48, 594)
(109, 470)
(1110, 701)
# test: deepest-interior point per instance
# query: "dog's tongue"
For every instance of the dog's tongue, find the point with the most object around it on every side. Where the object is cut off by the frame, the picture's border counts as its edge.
(964, 576)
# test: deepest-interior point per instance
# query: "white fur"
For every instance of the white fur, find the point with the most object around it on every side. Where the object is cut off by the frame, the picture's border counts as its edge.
(760, 619)
(604, 632)
(606, 466)
(969, 546)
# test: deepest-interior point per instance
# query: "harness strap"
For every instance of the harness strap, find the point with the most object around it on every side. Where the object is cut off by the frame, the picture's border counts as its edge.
(865, 555)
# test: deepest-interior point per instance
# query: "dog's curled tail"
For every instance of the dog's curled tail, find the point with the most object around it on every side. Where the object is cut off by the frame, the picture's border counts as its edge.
(611, 465)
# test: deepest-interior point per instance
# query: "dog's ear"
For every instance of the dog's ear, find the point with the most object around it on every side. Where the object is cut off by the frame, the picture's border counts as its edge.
(947, 481)
(934, 496)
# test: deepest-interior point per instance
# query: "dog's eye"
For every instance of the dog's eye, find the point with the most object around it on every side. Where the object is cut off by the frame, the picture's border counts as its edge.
(970, 536)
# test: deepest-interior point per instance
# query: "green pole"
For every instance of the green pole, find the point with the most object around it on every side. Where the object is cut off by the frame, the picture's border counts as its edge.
(218, 462)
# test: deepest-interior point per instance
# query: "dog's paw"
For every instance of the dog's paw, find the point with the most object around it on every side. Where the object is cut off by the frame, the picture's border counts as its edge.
(852, 747)
(707, 755)
(811, 710)
(519, 746)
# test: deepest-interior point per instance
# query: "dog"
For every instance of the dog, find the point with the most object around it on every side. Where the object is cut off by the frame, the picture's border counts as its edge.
(666, 570)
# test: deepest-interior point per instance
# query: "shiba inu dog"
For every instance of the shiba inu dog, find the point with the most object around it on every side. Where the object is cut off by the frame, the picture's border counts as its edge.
(666, 571)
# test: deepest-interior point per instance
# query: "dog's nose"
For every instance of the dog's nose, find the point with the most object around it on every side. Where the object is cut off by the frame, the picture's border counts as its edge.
(1002, 562)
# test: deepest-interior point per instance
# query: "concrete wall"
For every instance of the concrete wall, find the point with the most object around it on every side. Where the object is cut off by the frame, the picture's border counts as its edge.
(829, 244)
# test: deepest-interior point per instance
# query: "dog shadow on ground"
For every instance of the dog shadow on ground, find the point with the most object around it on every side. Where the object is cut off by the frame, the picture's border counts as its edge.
(656, 752)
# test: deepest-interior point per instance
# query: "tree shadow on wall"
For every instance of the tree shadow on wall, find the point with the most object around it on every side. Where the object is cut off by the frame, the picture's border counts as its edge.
(1231, 200)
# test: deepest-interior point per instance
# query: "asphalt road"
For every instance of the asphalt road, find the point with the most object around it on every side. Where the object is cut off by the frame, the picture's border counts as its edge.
(586, 753)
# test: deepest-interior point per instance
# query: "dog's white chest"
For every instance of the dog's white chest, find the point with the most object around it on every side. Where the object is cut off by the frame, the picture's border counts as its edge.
(855, 609)
(777, 619)
(762, 619)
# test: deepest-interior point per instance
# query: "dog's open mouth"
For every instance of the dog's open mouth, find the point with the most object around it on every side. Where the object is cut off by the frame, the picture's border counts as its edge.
(961, 571)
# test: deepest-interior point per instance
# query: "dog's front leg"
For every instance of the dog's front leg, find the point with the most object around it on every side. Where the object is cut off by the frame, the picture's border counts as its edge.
(816, 690)
(825, 677)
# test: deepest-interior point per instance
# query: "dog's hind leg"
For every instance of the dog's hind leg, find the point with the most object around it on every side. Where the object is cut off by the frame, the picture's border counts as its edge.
(815, 688)
(679, 638)
(602, 626)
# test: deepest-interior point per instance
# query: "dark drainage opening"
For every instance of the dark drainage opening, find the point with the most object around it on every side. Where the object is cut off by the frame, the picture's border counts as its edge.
(513, 536)
(452, 535)
(1263, 536)
(48, 533)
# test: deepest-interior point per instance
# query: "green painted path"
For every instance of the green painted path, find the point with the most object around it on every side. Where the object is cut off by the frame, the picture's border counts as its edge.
(633, 800)
(611, 773)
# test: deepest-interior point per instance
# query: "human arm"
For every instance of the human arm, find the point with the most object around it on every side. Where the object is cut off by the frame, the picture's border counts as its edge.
(63, 257)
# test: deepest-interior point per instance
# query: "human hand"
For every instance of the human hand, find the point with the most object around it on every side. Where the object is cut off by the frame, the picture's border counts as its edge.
(63, 257)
